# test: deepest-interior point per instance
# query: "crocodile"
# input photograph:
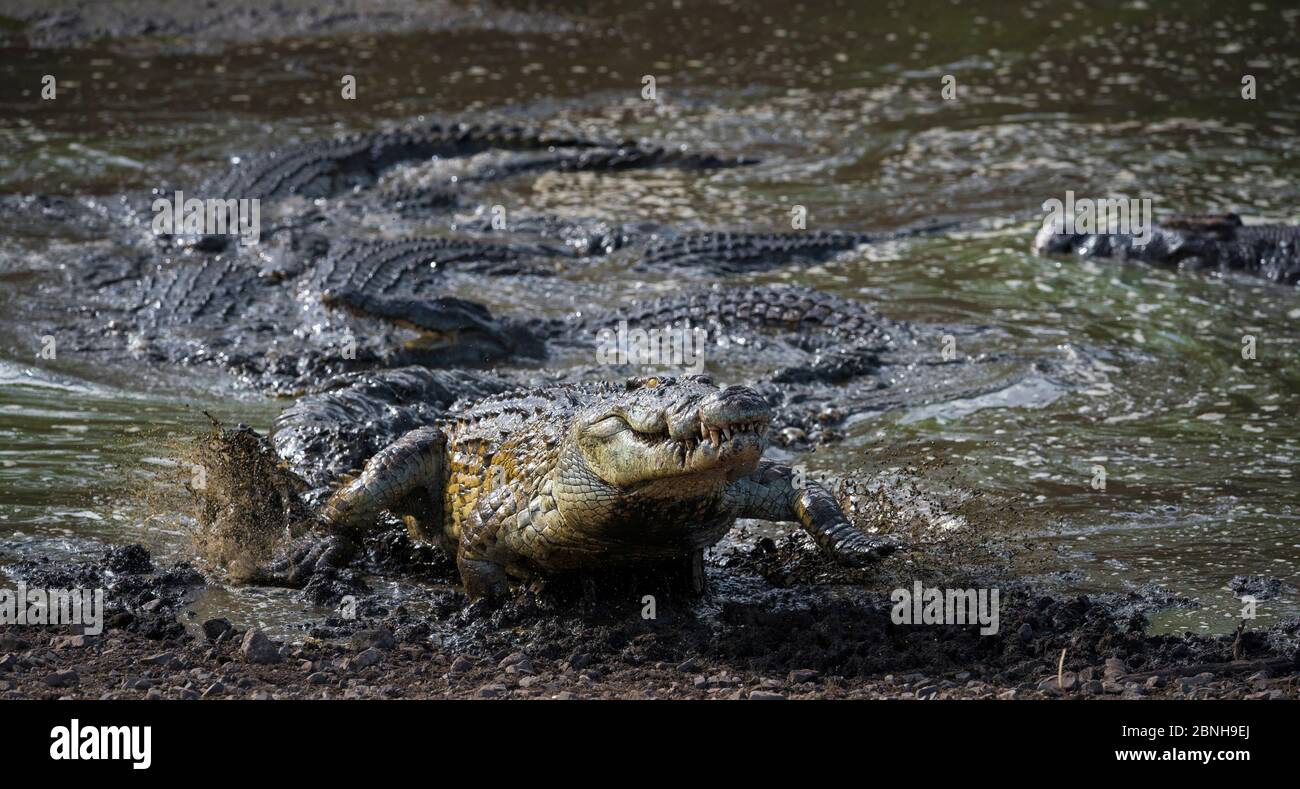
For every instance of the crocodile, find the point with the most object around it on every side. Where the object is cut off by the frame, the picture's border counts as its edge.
(822, 336)
(799, 347)
(264, 312)
(572, 478)
(323, 168)
(314, 301)
(725, 252)
(1213, 242)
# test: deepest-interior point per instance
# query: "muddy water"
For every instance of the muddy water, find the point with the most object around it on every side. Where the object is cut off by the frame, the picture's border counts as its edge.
(1142, 371)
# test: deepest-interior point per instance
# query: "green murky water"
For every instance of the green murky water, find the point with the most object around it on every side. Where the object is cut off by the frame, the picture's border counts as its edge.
(1145, 377)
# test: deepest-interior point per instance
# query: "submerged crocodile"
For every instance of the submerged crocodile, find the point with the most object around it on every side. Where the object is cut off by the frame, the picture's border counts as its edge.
(817, 359)
(260, 312)
(1216, 242)
(290, 312)
(575, 477)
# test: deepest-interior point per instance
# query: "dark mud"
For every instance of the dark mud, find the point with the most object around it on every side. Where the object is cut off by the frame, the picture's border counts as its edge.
(778, 619)
(745, 639)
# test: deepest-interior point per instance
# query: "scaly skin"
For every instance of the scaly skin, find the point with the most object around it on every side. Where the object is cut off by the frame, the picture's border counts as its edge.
(255, 311)
(1217, 242)
(728, 252)
(321, 168)
(846, 337)
(583, 476)
(806, 343)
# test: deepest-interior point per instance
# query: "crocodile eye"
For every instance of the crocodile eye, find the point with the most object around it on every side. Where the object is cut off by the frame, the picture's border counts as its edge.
(651, 383)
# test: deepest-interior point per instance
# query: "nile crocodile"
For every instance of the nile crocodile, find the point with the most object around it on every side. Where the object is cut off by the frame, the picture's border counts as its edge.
(321, 168)
(282, 315)
(1218, 242)
(260, 311)
(574, 477)
(726, 252)
(817, 358)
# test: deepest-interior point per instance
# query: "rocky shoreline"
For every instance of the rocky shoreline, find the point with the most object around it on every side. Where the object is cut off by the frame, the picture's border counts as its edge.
(822, 641)
(123, 665)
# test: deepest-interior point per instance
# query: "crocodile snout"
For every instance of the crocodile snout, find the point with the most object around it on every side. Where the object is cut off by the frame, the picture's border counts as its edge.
(719, 414)
(734, 405)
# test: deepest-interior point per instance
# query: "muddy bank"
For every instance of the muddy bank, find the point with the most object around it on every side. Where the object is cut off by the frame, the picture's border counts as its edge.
(829, 640)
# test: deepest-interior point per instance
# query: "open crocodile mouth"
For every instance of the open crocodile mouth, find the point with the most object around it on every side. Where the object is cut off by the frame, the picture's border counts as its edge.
(710, 441)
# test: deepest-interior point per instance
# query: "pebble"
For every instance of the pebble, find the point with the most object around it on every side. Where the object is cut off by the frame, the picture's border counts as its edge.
(378, 638)
(62, 679)
(513, 659)
(491, 691)
(214, 629)
(762, 695)
(368, 658)
(257, 648)
(164, 659)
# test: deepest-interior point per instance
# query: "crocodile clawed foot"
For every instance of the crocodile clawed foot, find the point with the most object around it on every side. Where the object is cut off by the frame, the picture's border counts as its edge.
(864, 549)
(310, 556)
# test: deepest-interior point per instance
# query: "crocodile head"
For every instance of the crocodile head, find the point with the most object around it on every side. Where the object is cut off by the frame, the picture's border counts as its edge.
(1170, 240)
(672, 437)
(450, 331)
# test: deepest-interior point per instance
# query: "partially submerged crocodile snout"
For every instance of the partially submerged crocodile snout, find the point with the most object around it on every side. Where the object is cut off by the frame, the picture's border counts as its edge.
(447, 329)
(1217, 242)
(665, 434)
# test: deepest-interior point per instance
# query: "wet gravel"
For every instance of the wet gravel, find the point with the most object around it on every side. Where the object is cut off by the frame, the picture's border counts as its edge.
(803, 641)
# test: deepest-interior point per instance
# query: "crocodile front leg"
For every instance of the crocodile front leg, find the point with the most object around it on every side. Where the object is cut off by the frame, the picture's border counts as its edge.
(770, 494)
(404, 478)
